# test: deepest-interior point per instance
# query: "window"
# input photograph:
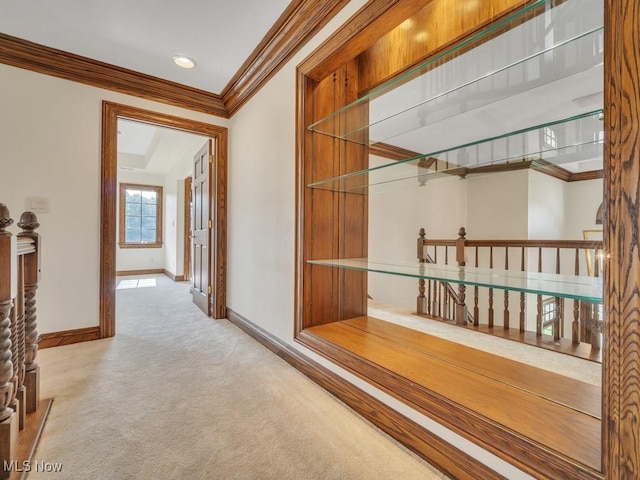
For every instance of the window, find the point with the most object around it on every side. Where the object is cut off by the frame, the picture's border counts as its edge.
(140, 216)
(550, 137)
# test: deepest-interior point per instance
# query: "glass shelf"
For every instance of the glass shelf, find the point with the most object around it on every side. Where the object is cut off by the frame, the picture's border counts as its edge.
(575, 139)
(515, 65)
(557, 285)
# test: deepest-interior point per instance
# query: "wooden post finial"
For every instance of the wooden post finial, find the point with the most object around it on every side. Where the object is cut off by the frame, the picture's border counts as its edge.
(28, 222)
(5, 217)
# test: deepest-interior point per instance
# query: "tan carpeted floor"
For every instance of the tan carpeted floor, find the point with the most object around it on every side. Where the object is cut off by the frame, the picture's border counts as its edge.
(176, 395)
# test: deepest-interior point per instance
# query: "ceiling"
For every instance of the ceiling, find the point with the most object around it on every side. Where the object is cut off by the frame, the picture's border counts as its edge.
(221, 36)
(144, 35)
(155, 150)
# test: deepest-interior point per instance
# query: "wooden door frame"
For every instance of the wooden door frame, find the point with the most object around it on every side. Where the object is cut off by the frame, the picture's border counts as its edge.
(111, 112)
(186, 263)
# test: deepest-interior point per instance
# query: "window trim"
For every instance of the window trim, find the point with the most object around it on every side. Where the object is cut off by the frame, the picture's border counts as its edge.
(121, 222)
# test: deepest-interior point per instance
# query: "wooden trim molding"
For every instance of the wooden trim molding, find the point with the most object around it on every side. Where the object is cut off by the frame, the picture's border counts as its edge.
(295, 27)
(363, 29)
(300, 21)
(386, 150)
(148, 271)
(175, 278)
(109, 191)
(621, 225)
(50, 61)
(68, 337)
(441, 454)
(186, 265)
(591, 175)
(392, 152)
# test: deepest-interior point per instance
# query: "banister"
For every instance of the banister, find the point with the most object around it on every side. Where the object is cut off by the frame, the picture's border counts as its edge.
(19, 374)
(586, 326)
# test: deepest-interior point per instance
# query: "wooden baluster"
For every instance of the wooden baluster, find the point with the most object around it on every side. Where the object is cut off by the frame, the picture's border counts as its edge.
(522, 296)
(476, 310)
(430, 295)
(461, 307)
(506, 292)
(539, 299)
(446, 307)
(29, 223)
(558, 323)
(18, 347)
(435, 307)
(8, 418)
(490, 290)
(575, 325)
(421, 300)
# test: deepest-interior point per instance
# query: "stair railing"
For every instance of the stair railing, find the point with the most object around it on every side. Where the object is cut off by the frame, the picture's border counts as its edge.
(19, 373)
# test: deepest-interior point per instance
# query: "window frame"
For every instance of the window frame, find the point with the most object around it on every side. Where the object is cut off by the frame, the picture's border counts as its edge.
(121, 234)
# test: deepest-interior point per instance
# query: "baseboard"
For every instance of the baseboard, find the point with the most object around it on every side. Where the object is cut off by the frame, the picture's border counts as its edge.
(67, 337)
(450, 460)
(149, 271)
(175, 278)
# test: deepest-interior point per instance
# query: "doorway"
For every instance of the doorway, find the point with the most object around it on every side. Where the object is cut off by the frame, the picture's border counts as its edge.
(111, 113)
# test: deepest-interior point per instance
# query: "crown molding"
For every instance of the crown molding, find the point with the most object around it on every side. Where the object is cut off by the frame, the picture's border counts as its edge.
(393, 152)
(300, 21)
(50, 61)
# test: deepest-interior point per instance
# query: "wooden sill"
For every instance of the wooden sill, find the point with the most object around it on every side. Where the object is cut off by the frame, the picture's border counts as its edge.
(140, 245)
(544, 423)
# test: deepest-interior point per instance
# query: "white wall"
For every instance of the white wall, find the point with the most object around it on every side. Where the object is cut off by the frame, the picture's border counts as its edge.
(174, 212)
(497, 205)
(261, 226)
(582, 199)
(50, 138)
(547, 209)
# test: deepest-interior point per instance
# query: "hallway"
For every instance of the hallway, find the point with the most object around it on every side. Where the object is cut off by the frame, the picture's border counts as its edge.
(178, 395)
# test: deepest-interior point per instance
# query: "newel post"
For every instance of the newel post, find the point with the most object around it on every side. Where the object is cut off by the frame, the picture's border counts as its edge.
(8, 287)
(421, 301)
(461, 258)
(29, 223)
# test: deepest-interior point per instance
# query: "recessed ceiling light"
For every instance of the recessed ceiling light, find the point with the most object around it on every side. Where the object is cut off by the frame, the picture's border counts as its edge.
(184, 62)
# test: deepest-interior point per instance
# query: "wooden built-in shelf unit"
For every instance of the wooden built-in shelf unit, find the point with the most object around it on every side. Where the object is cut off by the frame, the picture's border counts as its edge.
(411, 78)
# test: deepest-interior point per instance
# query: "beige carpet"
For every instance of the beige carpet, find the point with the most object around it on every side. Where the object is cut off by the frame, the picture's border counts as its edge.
(176, 395)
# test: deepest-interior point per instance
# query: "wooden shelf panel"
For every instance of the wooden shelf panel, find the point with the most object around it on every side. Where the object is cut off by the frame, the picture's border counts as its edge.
(558, 427)
(580, 396)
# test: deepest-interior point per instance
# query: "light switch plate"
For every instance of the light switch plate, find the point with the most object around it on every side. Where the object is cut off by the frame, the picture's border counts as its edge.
(37, 204)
